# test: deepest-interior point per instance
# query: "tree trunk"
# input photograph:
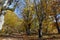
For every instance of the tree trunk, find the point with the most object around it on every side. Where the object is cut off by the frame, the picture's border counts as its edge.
(40, 29)
(55, 12)
(57, 26)
(28, 29)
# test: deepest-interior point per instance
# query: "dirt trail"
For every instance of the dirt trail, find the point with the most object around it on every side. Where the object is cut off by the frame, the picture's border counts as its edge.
(7, 38)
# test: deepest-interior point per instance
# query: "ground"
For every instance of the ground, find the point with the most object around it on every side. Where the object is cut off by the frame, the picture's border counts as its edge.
(7, 38)
(30, 37)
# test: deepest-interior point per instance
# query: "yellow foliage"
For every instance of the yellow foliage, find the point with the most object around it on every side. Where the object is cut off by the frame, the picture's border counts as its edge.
(11, 19)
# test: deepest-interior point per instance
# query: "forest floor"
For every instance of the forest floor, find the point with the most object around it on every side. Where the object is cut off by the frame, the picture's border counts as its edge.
(31, 37)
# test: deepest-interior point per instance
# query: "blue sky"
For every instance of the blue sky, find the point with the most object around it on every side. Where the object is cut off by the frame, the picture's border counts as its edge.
(20, 6)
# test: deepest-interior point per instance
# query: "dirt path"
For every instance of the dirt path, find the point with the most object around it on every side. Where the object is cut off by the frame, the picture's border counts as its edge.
(7, 38)
(34, 37)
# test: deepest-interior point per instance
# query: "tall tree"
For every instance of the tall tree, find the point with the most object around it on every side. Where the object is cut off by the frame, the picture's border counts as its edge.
(28, 17)
(40, 15)
(55, 6)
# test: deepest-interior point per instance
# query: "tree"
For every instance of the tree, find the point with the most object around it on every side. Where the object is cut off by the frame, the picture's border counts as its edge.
(3, 8)
(40, 15)
(55, 6)
(28, 17)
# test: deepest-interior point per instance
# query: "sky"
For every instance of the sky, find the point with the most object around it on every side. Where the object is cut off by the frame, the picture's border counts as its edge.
(19, 8)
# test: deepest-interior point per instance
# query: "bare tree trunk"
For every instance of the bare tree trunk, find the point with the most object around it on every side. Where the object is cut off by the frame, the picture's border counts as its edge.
(40, 29)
